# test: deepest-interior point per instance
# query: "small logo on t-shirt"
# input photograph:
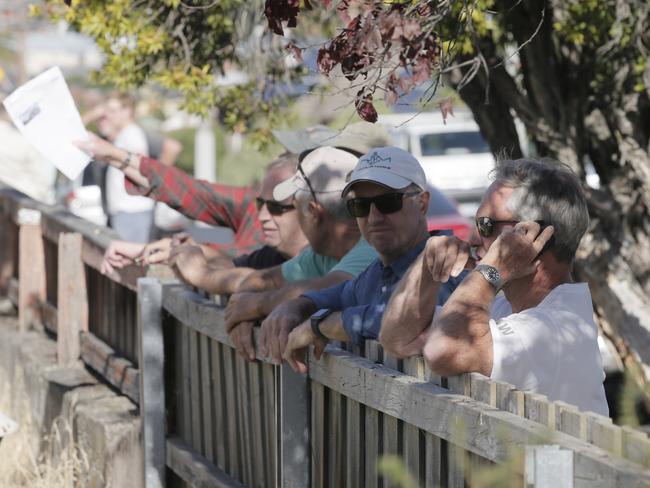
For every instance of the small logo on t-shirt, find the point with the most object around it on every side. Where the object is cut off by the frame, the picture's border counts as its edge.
(505, 329)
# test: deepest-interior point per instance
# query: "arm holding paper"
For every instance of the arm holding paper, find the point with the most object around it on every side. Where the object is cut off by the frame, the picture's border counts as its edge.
(121, 159)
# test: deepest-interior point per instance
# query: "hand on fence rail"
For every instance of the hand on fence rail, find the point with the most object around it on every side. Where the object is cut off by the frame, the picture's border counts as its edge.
(189, 263)
(243, 306)
(160, 251)
(297, 347)
(242, 338)
(120, 254)
(274, 335)
(157, 252)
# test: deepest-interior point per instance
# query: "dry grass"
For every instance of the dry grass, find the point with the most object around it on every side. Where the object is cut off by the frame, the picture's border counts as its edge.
(60, 464)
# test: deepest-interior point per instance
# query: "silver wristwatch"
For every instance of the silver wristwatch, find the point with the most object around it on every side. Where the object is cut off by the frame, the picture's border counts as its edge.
(491, 274)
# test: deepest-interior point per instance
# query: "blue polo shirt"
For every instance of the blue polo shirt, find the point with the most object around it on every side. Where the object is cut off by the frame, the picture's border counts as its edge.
(363, 299)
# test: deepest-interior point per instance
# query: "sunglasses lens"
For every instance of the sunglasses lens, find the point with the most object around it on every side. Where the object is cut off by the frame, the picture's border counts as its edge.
(389, 203)
(386, 204)
(274, 208)
(484, 226)
(359, 207)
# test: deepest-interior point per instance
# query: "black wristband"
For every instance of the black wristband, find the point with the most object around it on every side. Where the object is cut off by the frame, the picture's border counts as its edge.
(315, 321)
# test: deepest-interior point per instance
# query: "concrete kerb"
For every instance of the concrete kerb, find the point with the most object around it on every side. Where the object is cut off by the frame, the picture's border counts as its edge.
(105, 425)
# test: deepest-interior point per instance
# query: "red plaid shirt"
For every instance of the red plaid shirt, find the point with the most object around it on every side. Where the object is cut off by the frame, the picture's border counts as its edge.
(223, 205)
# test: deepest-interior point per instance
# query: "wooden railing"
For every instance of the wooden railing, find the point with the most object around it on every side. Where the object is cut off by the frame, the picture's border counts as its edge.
(50, 270)
(212, 419)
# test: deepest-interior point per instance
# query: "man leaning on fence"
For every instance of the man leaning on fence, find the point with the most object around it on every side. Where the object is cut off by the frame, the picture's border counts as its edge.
(540, 334)
(389, 201)
(337, 251)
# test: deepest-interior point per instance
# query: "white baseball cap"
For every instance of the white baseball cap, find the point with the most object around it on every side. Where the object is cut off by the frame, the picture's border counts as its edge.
(325, 167)
(391, 167)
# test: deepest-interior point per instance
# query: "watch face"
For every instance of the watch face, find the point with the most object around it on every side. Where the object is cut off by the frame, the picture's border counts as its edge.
(492, 274)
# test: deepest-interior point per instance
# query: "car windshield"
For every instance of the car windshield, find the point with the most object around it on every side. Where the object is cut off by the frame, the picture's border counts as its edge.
(441, 144)
(439, 204)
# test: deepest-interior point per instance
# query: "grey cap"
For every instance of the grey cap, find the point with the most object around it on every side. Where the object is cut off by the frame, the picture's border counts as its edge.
(359, 137)
(391, 167)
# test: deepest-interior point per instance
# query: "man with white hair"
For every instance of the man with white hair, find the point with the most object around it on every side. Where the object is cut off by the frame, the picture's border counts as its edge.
(337, 251)
(540, 334)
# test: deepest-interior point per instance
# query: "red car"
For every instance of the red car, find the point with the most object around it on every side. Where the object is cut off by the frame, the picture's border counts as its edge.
(443, 214)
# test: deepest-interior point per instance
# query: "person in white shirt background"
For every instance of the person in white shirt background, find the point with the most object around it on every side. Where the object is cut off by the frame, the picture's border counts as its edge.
(540, 334)
(130, 216)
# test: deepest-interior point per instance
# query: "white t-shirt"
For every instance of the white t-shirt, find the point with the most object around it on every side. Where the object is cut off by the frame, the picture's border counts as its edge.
(552, 348)
(132, 139)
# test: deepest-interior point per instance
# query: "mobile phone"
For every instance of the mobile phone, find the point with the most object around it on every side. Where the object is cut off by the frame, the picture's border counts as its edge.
(550, 243)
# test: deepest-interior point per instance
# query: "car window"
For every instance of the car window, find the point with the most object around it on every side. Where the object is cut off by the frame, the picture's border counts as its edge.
(439, 204)
(452, 143)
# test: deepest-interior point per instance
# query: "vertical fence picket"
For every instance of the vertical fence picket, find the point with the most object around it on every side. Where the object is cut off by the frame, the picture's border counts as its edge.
(152, 382)
(31, 268)
(72, 301)
(294, 426)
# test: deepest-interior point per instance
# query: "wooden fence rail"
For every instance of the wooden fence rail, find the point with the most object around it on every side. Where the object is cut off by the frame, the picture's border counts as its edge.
(212, 419)
(49, 268)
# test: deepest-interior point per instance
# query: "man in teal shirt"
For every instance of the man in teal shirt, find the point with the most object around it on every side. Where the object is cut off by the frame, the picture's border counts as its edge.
(337, 251)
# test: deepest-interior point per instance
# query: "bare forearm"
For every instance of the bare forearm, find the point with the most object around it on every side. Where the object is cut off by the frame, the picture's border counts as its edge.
(460, 339)
(224, 281)
(118, 157)
(332, 328)
(263, 279)
(409, 312)
(216, 257)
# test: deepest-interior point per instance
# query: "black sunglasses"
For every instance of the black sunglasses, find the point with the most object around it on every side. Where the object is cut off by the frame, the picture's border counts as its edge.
(274, 208)
(387, 203)
(485, 225)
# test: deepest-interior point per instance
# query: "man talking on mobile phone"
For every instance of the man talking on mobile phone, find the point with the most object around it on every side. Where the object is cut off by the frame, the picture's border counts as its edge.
(539, 335)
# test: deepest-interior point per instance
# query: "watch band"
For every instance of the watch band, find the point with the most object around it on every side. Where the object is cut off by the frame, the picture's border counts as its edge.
(491, 275)
(126, 161)
(315, 321)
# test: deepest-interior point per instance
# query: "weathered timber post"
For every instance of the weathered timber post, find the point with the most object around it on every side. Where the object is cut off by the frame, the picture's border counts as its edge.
(294, 426)
(548, 467)
(152, 381)
(8, 236)
(72, 299)
(31, 268)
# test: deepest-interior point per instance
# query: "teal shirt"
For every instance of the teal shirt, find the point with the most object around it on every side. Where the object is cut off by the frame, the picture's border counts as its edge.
(308, 265)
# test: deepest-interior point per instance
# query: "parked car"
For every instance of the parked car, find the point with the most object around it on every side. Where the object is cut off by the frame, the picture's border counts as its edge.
(443, 214)
(454, 155)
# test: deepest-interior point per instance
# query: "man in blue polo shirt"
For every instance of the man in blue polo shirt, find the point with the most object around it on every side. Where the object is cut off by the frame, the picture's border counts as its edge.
(386, 194)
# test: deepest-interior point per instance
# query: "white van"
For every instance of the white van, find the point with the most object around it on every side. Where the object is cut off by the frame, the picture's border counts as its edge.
(455, 157)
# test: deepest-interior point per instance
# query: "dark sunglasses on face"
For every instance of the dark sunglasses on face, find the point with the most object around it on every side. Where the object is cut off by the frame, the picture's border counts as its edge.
(274, 208)
(485, 225)
(387, 203)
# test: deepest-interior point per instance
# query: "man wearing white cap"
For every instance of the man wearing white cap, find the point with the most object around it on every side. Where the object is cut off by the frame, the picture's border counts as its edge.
(387, 197)
(337, 251)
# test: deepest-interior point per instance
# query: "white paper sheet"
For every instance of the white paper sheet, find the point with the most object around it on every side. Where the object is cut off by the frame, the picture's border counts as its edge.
(44, 111)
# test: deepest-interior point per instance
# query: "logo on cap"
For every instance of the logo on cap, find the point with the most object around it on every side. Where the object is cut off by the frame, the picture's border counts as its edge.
(376, 159)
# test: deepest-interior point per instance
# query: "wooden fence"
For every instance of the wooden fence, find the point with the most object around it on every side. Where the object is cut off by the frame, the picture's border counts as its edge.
(212, 419)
